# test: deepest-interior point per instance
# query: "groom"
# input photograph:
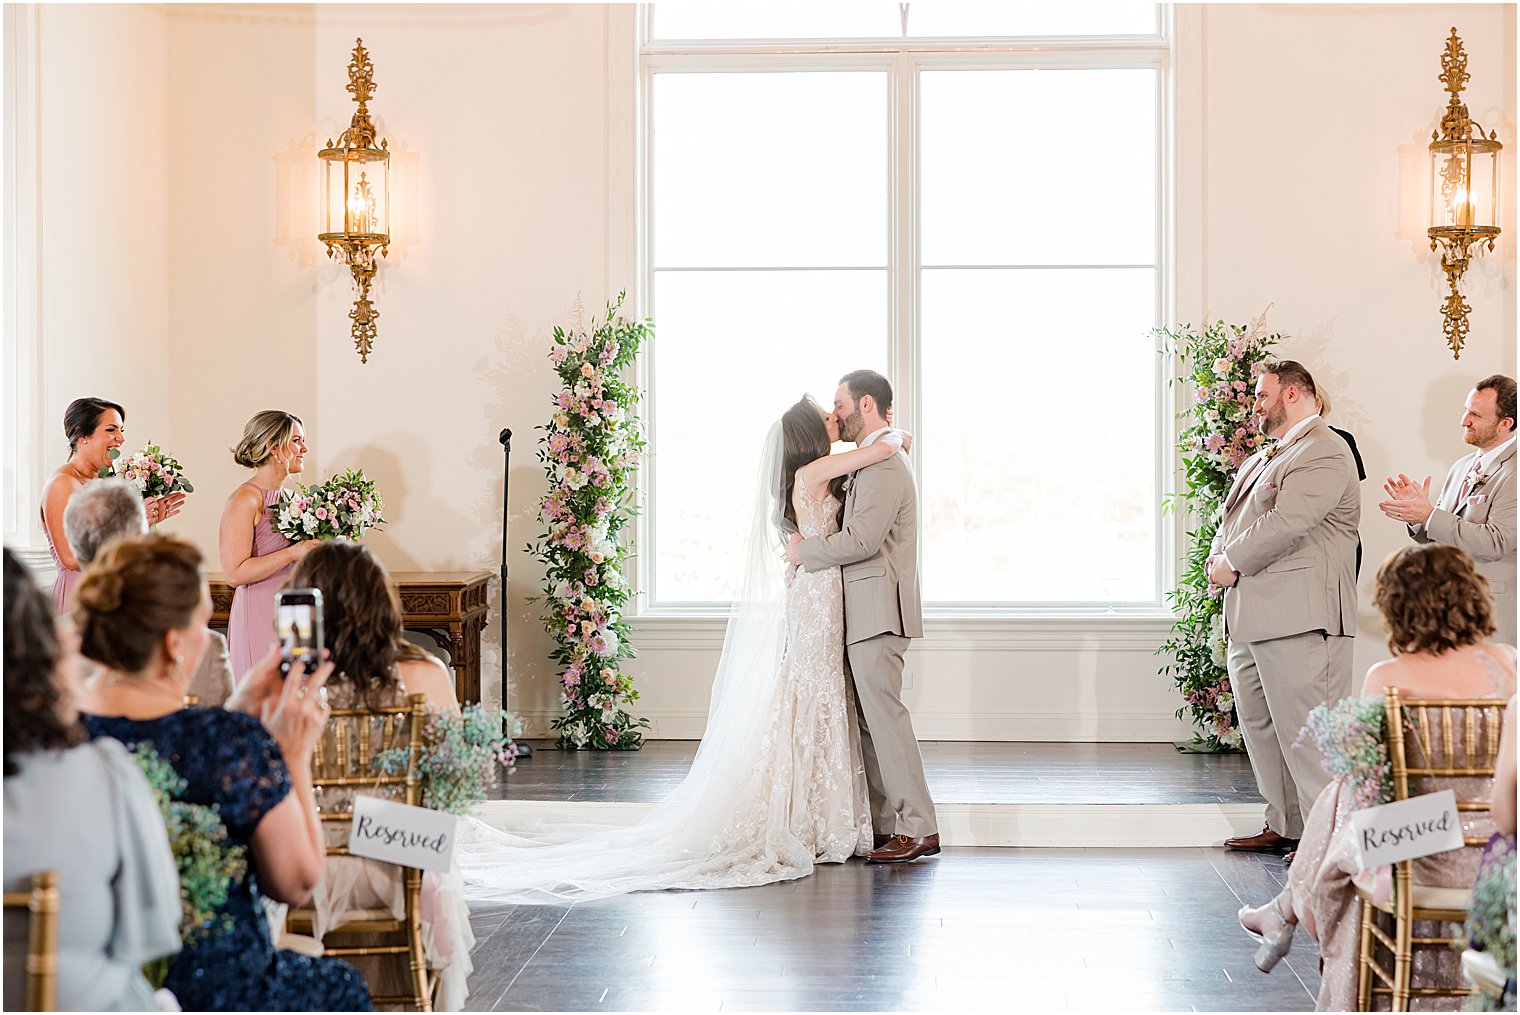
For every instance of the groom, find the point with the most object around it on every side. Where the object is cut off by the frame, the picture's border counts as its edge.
(877, 548)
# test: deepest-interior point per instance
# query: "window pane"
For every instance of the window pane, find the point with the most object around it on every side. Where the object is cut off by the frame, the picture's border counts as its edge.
(734, 350)
(761, 170)
(1065, 174)
(750, 20)
(961, 18)
(1038, 448)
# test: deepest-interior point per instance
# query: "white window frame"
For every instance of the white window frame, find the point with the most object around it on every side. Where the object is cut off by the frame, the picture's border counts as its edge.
(634, 57)
(23, 426)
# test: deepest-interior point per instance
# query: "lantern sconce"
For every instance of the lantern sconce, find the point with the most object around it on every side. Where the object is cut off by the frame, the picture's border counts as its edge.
(356, 197)
(1464, 191)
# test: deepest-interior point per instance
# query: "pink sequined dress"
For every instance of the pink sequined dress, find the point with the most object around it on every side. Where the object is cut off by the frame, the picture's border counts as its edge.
(250, 628)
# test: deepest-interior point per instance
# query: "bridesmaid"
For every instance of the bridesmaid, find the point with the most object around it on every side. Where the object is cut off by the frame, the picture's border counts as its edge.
(256, 560)
(93, 426)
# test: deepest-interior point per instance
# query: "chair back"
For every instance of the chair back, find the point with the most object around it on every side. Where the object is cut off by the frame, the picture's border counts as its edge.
(343, 763)
(1445, 743)
(41, 907)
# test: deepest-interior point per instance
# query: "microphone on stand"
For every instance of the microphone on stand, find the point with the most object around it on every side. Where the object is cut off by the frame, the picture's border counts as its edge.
(523, 750)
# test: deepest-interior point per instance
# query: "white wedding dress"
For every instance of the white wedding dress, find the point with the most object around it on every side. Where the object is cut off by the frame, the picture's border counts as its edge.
(777, 784)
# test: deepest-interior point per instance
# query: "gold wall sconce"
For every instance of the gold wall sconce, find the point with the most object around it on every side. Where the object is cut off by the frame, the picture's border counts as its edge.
(356, 198)
(1464, 192)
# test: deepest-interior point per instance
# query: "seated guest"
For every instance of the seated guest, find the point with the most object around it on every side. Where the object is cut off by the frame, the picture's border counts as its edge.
(256, 559)
(117, 881)
(113, 509)
(141, 608)
(1438, 613)
(375, 667)
(1476, 506)
(94, 427)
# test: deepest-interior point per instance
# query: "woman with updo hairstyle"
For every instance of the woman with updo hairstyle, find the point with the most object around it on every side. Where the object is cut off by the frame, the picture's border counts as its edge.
(141, 610)
(256, 559)
(83, 810)
(1438, 613)
(94, 428)
(374, 666)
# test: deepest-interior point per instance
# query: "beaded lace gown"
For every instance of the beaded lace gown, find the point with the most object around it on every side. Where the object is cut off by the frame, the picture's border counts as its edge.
(777, 785)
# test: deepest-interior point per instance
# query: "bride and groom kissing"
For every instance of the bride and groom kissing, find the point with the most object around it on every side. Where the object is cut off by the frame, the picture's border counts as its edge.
(809, 754)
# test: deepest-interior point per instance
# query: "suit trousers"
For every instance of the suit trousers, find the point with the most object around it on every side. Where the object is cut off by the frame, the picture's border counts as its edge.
(900, 802)
(1276, 684)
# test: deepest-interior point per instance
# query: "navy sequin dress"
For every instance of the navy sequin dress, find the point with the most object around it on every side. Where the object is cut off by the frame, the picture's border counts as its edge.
(230, 760)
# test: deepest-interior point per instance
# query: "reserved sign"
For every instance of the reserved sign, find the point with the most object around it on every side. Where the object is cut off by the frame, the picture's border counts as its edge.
(1419, 826)
(400, 833)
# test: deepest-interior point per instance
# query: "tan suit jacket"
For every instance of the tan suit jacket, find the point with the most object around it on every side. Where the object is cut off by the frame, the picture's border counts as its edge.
(1482, 524)
(877, 550)
(212, 683)
(1290, 529)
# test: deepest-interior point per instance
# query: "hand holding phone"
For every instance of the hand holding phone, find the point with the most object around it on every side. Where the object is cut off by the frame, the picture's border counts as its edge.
(298, 628)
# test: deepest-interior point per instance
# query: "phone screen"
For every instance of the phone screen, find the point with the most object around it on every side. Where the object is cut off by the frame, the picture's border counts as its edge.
(298, 627)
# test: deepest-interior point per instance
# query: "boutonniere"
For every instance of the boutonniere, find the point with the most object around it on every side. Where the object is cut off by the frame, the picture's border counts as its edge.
(1271, 452)
(849, 482)
(1475, 478)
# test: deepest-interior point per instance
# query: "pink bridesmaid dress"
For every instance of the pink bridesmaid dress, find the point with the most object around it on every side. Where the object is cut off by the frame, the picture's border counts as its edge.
(250, 626)
(63, 584)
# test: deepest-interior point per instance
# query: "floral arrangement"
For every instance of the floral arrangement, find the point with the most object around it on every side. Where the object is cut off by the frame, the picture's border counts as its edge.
(590, 451)
(207, 864)
(1491, 921)
(346, 506)
(153, 472)
(462, 755)
(1350, 735)
(1221, 431)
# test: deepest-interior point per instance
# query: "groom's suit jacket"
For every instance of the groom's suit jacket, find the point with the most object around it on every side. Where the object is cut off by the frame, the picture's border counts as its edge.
(1290, 529)
(877, 550)
(1483, 524)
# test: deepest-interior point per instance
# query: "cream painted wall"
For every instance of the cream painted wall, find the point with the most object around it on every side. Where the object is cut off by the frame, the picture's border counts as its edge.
(499, 117)
(102, 101)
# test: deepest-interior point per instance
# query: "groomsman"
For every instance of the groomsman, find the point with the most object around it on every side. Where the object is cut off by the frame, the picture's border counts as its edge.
(1476, 508)
(1284, 554)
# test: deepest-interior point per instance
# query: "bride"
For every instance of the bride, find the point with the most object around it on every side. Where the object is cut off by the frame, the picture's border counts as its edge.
(777, 784)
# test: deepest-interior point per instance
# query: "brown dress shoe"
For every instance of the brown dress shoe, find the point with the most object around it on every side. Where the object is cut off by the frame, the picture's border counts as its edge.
(902, 848)
(1267, 841)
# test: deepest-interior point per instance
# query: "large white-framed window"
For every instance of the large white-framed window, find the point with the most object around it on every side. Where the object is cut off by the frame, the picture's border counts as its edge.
(981, 215)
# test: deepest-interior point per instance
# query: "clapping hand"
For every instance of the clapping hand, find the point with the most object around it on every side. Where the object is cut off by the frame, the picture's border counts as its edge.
(1408, 501)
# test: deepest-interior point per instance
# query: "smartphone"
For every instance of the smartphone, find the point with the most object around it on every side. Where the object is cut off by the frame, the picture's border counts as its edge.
(298, 626)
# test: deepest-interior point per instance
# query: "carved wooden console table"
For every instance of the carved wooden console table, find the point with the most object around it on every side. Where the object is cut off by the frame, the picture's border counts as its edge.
(452, 604)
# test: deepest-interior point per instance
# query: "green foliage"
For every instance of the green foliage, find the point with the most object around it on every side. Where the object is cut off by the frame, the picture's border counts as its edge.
(208, 865)
(590, 450)
(1220, 432)
(462, 755)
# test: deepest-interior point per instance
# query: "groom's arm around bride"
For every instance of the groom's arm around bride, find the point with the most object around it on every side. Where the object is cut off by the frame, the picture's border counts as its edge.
(876, 549)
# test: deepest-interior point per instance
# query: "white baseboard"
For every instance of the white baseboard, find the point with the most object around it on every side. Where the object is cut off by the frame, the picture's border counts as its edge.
(1021, 825)
(1064, 727)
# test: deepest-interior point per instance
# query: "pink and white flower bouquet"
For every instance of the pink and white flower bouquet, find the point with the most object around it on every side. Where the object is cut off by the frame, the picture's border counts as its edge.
(151, 470)
(344, 507)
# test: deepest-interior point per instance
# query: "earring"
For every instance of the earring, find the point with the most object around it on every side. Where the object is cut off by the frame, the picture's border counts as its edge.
(178, 662)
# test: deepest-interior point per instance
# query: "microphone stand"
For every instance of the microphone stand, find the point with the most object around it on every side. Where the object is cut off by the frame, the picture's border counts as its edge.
(523, 750)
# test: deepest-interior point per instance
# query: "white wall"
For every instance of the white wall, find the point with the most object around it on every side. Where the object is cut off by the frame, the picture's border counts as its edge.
(219, 301)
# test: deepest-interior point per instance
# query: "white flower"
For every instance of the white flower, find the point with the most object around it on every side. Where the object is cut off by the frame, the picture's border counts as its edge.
(1231, 739)
(1226, 701)
(611, 638)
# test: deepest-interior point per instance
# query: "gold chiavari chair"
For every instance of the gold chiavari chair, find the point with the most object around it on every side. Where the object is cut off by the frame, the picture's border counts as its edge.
(1457, 740)
(344, 759)
(41, 905)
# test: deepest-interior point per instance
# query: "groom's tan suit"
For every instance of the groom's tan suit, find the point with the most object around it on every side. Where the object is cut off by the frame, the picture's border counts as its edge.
(1290, 529)
(877, 550)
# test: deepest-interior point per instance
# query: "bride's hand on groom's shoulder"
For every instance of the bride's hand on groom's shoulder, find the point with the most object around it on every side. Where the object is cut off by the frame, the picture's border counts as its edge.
(792, 553)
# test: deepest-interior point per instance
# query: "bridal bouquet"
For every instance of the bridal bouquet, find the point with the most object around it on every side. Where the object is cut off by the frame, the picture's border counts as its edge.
(153, 472)
(345, 507)
(207, 864)
(1350, 735)
(462, 756)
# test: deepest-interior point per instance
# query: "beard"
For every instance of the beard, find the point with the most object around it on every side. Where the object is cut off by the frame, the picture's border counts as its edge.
(850, 426)
(1273, 419)
(1478, 437)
